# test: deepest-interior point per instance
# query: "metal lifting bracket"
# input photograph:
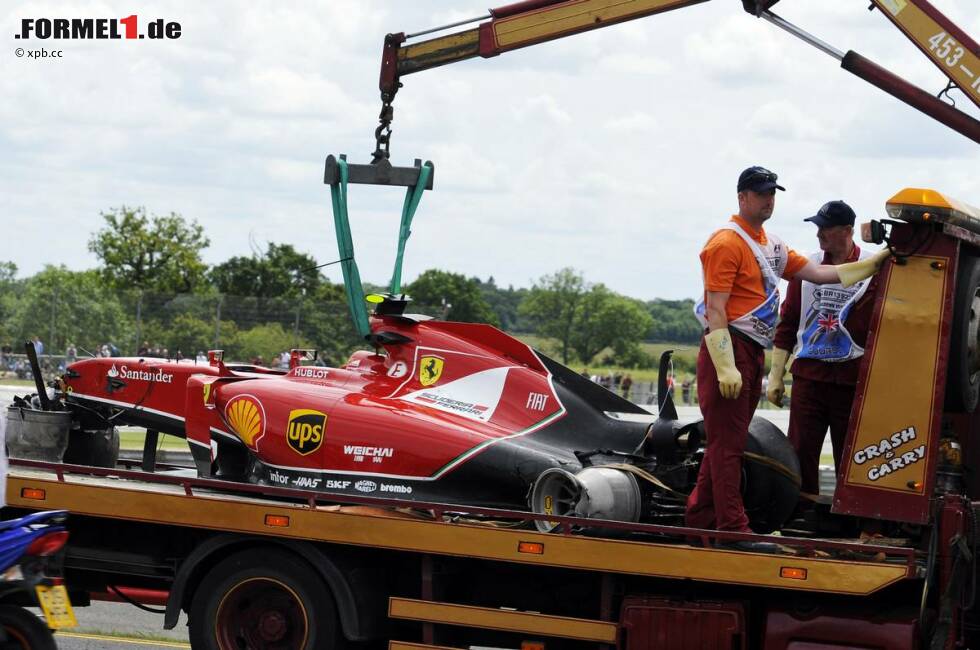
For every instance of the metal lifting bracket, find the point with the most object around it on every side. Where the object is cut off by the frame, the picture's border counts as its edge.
(379, 173)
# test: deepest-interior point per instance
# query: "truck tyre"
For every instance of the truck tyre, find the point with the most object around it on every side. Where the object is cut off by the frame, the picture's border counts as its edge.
(264, 599)
(22, 630)
(963, 377)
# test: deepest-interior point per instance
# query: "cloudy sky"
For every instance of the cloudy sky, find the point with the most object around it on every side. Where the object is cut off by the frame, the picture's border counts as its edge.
(614, 152)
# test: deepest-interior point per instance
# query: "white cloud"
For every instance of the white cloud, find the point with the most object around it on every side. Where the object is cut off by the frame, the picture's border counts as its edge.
(615, 152)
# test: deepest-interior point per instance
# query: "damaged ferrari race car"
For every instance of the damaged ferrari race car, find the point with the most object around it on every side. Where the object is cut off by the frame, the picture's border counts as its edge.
(436, 411)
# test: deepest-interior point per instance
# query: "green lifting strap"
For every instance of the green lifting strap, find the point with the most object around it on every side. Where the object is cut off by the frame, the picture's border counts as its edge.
(411, 204)
(345, 244)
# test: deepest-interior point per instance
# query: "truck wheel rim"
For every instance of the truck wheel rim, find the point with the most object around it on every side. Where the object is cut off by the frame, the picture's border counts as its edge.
(261, 613)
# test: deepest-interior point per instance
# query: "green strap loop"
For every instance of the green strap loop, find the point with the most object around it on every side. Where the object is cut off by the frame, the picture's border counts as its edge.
(411, 204)
(345, 245)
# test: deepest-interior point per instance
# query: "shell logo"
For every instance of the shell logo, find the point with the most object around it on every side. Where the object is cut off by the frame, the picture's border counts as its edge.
(246, 417)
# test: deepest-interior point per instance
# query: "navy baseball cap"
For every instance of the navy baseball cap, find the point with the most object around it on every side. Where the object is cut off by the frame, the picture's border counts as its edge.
(833, 213)
(758, 179)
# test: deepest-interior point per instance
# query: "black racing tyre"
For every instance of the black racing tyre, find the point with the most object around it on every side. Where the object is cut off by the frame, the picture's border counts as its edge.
(96, 447)
(963, 375)
(264, 599)
(22, 630)
(770, 477)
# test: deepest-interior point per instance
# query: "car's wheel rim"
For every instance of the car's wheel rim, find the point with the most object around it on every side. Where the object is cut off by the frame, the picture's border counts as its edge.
(261, 614)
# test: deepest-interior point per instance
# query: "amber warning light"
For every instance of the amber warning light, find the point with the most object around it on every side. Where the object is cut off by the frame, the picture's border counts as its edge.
(792, 573)
(535, 548)
(35, 494)
(279, 521)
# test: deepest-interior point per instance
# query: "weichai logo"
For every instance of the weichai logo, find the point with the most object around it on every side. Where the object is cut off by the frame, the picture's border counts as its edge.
(80, 29)
(304, 430)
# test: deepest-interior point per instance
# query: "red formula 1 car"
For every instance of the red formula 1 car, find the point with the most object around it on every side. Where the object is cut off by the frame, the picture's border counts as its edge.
(456, 413)
(441, 412)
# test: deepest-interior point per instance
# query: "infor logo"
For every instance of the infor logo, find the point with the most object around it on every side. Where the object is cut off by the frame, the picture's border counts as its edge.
(304, 431)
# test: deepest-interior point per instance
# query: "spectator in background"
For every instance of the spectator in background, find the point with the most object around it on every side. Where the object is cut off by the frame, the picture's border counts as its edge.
(38, 345)
(625, 385)
(144, 349)
(201, 357)
(71, 354)
(104, 351)
(686, 392)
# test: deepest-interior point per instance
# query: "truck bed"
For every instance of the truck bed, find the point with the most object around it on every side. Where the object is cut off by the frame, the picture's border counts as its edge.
(177, 498)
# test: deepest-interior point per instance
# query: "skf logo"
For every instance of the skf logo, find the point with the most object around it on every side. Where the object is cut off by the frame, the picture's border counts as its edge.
(246, 417)
(430, 370)
(304, 431)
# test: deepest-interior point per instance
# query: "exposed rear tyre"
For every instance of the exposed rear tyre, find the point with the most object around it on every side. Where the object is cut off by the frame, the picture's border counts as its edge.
(94, 447)
(771, 477)
(264, 599)
(963, 376)
(22, 630)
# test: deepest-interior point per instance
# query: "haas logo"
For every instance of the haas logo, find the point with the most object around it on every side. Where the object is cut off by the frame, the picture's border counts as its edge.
(304, 431)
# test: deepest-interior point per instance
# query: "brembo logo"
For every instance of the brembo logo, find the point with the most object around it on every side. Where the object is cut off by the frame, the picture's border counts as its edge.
(304, 431)
(140, 375)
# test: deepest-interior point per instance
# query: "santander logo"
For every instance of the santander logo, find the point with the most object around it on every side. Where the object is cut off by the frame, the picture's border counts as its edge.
(140, 375)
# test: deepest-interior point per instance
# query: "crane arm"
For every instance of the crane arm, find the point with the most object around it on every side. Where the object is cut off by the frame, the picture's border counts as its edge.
(940, 39)
(536, 21)
(512, 27)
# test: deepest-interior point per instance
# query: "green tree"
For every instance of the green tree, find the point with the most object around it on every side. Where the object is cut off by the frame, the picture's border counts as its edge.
(162, 253)
(265, 341)
(505, 304)
(604, 319)
(280, 272)
(552, 304)
(460, 294)
(9, 293)
(325, 320)
(673, 321)
(74, 306)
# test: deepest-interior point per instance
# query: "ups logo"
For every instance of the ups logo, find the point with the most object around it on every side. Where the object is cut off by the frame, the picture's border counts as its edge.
(304, 431)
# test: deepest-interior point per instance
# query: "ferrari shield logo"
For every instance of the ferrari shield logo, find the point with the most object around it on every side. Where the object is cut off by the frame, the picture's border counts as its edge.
(430, 369)
(207, 392)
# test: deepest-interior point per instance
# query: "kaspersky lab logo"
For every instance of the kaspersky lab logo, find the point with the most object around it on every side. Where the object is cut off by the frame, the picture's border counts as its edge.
(80, 29)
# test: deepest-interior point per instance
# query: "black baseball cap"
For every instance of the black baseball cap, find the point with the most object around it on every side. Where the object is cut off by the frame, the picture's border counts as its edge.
(758, 179)
(833, 213)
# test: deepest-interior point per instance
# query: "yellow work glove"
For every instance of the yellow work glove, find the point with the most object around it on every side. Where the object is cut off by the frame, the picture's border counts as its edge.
(853, 272)
(719, 344)
(777, 389)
